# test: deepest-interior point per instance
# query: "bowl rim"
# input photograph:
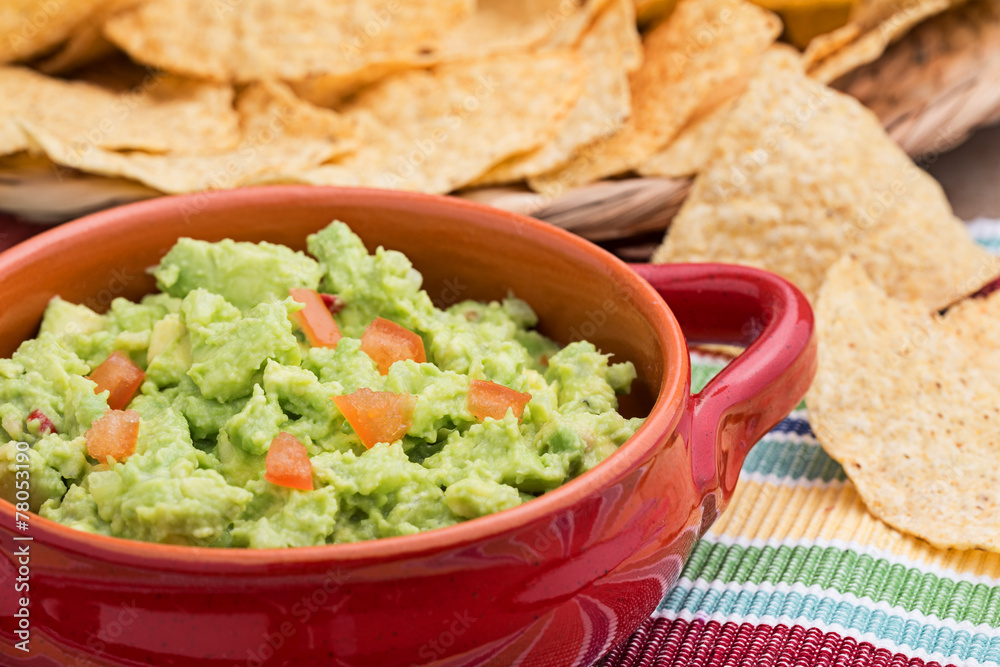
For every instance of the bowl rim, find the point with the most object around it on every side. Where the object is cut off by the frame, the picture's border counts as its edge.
(661, 422)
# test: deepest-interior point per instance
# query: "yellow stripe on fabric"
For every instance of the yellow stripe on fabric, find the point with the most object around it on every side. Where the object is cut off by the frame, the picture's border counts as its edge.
(788, 513)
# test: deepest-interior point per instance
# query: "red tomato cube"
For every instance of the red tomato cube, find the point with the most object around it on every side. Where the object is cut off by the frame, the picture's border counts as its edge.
(119, 376)
(386, 343)
(377, 416)
(287, 463)
(489, 399)
(115, 434)
(315, 319)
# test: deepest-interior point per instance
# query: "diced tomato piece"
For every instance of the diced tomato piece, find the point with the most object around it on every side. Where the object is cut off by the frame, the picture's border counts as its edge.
(489, 399)
(386, 343)
(119, 376)
(315, 319)
(332, 302)
(45, 424)
(114, 434)
(287, 463)
(377, 416)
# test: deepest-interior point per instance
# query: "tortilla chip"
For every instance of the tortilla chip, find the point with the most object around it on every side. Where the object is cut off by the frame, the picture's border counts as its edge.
(603, 107)
(907, 403)
(163, 114)
(570, 29)
(329, 90)
(276, 135)
(693, 60)
(271, 39)
(690, 152)
(651, 11)
(269, 106)
(825, 45)
(801, 176)
(435, 131)
(874, 25)
(506, 26)
(29, 28)
(86, 44)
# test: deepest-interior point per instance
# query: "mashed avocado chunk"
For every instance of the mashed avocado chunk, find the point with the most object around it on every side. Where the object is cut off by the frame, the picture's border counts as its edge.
(226, 359)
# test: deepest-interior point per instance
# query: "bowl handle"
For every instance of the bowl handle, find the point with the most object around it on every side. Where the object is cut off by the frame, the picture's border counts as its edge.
(738, 305)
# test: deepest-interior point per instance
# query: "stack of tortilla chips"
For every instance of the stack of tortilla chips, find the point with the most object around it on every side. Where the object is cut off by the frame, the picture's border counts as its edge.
(172, 96)
(799, 179)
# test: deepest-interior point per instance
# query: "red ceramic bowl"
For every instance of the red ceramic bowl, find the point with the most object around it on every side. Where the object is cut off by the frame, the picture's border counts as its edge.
(557, 581)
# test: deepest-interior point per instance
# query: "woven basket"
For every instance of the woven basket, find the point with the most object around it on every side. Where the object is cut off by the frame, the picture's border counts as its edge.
(931, 90)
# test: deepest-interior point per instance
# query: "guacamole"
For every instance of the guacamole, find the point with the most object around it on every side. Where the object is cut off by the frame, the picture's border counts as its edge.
(227, 367)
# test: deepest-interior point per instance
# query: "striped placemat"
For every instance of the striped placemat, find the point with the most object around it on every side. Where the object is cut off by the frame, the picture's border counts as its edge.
(797, 573)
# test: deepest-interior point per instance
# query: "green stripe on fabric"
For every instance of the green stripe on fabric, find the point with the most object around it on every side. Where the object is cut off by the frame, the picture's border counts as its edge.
(797, 460)
(846, 571)
(703, 370)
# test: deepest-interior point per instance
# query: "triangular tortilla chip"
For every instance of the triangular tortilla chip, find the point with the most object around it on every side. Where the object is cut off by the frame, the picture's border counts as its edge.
(909, 404)
(570, 29)
(164, 114)
(506, 26)
(279, 132)
(690, 151)
(801, 176)
(86, 44)
(606, 48)
(496, 27)
(330, 90)
(873, 26)
(29, 28)
(437, 130)
(693, 60)
(253, 40)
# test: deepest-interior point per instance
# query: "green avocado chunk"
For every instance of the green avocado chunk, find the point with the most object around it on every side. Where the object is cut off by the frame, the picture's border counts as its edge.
(244, 274)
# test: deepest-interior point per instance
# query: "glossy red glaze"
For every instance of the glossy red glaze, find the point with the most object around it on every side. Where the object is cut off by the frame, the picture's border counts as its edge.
(557, 581)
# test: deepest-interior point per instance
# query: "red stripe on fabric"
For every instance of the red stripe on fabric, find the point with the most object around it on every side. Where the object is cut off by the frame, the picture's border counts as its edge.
(741, 644)
(661, 642)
